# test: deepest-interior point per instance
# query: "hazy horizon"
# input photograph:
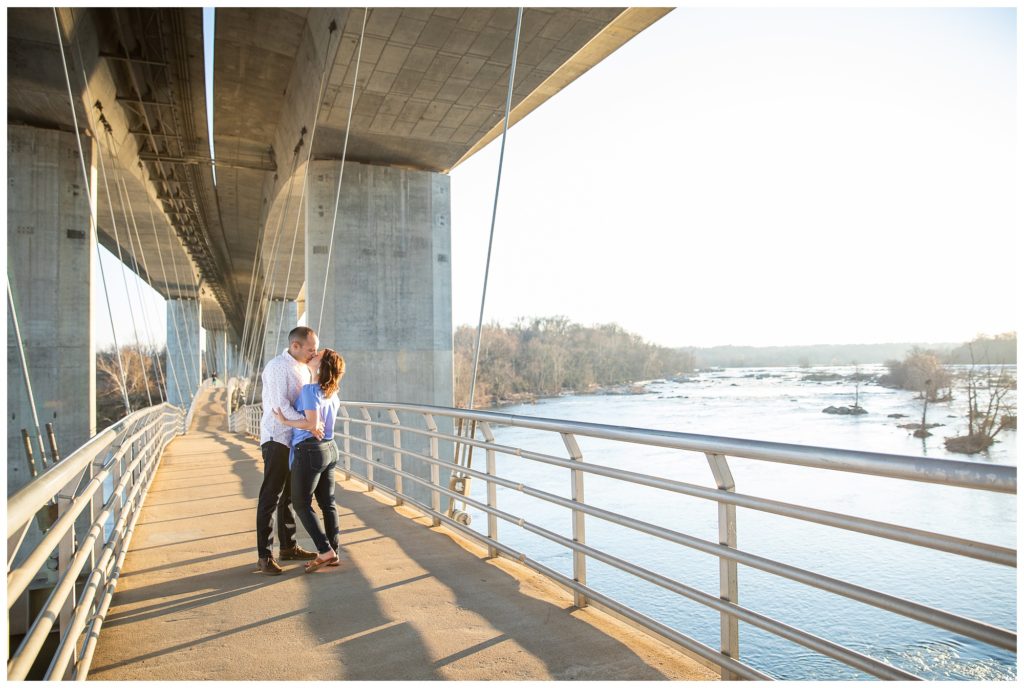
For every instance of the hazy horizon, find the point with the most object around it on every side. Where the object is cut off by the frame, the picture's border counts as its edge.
(509, 323)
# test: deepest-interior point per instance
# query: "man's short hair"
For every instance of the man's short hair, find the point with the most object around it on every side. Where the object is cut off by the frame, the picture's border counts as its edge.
(300, 334)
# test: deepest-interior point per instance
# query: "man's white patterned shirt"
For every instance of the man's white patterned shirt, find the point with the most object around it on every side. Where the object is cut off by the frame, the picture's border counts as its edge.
(283, 378)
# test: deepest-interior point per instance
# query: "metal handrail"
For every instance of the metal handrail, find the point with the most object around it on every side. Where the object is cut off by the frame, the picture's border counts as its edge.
(247, 420)
(124, 457)
(986, 477)
(236, 389)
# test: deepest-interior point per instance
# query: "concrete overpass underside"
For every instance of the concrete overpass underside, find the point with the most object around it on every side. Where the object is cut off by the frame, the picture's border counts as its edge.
(237, 236)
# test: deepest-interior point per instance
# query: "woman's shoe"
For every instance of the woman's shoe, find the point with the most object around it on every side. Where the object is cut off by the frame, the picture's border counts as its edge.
(318, 562)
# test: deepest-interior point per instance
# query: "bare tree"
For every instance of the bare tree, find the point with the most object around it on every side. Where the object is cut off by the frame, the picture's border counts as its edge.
(989, 407)
(114, 386)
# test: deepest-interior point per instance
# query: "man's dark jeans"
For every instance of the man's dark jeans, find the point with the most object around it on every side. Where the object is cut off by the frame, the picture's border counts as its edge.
(313, 476)
(275, 494)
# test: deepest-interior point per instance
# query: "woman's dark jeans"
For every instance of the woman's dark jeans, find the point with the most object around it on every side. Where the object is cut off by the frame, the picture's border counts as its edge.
(313, 476)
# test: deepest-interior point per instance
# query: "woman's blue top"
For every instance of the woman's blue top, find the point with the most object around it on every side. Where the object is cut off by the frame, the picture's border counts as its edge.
(311, 398)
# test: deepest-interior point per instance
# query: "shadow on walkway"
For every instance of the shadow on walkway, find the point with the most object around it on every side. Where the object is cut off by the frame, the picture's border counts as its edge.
(481, 624)
(408, 603)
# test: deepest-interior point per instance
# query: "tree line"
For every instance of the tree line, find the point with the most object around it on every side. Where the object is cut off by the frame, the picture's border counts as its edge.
(536, 357)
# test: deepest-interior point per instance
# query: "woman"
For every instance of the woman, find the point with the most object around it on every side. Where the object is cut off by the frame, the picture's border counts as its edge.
(313, 461)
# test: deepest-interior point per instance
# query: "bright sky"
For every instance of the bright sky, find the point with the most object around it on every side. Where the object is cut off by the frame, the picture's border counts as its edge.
(761, 177)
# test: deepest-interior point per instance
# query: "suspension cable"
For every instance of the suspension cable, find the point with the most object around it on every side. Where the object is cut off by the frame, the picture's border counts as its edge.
(261, 315)
(341, 171)
(199, 328)
(258, 335)
(240, 364)
(494, 211)
(181, 342)
(254, 365)
(324, 74)
(129, 210)
(124, 273)
(24, 373)
(266, 288)
(160, 162)
(254, 306)
(133, 226)
(174, 321)
(268, 285)
(111, 148)
(92, 210)
(272, 282)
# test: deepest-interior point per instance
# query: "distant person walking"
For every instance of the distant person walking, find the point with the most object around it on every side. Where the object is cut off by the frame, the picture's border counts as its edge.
(314, 459)
(283, 378)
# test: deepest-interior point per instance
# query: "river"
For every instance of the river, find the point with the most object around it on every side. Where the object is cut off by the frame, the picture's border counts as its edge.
(779, 404)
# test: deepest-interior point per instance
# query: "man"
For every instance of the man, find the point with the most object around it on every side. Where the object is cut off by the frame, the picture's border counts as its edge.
(283, 377)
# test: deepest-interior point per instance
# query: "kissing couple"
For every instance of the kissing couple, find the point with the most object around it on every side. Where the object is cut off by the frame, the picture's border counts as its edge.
(300, 404)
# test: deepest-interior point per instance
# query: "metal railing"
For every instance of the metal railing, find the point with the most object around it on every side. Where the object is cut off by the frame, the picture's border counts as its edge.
(86, 507)
(246, 420)
(356, 443)
(236, 413)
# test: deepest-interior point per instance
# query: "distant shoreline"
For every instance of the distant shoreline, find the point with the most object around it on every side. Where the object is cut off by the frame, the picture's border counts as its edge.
(729, 356)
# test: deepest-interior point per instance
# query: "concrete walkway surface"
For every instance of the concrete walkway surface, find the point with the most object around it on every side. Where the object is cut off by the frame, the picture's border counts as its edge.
(408, 603)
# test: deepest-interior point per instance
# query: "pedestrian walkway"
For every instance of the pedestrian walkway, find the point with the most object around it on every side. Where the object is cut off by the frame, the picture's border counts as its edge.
(408, 603)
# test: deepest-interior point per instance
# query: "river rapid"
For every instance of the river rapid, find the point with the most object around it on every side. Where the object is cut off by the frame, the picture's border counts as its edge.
(780, 404)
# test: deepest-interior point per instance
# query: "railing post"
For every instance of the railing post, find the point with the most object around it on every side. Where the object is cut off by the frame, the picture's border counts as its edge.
(579, 561)
(435, 472)
(66, 551)
(346, 443)
(728, 581)
(492, 490)
(95, 507)
(396, 442)
(368, 434)
(137, 471)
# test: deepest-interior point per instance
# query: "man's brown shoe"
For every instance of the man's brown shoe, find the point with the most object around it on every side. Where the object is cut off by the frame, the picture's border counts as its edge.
(296, 553)
(268, 566)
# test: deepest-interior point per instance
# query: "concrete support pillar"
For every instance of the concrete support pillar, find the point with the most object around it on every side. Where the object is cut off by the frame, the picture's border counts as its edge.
(282, 320)
(229, 357)
(183, 350)
(51, 248)
(232, 358)
(217, 352)
(388, 303)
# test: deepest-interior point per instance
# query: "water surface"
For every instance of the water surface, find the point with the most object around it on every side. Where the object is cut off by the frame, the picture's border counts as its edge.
(778, 404)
